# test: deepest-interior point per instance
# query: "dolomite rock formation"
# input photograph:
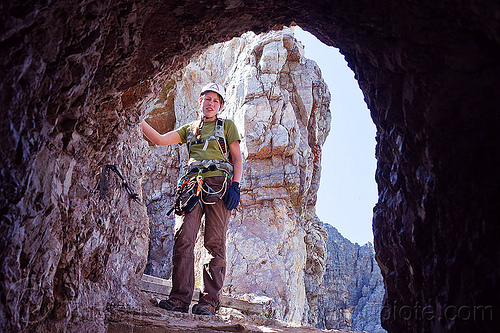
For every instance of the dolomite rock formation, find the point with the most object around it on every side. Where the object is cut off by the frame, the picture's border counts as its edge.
(74, 73)
(279, 103)
(352, 289)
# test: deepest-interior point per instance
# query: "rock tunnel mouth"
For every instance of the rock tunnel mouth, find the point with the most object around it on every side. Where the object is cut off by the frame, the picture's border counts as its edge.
(348, 156)
(168, 97)
(172, 103)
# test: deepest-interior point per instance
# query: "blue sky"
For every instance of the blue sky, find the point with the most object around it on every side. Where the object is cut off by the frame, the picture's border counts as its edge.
(347, 192)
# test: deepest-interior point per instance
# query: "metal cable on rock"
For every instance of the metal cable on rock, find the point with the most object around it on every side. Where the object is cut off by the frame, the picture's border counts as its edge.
(103, 184)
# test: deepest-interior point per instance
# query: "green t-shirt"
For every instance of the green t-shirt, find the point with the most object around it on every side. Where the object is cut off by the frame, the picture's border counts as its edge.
(212, 152)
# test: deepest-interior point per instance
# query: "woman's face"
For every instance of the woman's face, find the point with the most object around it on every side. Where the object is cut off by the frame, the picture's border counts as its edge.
(210, 104)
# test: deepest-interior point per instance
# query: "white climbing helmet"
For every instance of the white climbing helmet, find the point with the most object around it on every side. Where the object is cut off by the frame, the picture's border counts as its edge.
(216, 88)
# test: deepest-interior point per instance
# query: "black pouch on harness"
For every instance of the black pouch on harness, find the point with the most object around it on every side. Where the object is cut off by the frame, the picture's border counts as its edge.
(185, 198)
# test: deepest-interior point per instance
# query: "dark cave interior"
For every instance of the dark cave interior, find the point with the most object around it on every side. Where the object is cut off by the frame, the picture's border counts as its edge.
(73, 74)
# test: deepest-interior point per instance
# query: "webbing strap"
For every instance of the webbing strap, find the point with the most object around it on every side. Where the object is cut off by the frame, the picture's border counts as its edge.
(203, 140)
(218, 135)
(209, 165)
(222, 145)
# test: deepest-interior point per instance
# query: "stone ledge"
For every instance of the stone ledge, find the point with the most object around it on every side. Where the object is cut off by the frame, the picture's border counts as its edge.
(159, 286)
(155, 320)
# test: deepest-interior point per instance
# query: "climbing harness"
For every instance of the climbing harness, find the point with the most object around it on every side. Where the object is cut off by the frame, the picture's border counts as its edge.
(185, 198)
(204, 189)
(103, 184)
(218, 136)
(191, 188)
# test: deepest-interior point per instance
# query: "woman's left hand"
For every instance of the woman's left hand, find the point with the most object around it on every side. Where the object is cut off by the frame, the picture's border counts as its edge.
(232, 198)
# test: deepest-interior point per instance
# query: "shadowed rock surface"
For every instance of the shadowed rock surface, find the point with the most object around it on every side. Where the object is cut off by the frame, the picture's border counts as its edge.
(75, 73)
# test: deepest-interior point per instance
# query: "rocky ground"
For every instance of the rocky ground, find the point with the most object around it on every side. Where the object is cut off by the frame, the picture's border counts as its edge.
(151, 319)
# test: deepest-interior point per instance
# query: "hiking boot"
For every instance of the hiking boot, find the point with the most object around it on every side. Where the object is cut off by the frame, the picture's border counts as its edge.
(204, 309)
(174, 304)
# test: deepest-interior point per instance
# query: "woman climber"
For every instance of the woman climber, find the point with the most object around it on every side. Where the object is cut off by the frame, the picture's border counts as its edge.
(210, 187)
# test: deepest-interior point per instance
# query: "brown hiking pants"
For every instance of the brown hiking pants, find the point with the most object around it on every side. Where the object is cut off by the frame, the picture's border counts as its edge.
(186, 230)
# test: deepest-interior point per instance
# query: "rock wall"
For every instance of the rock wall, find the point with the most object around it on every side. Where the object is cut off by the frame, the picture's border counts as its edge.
(352, 289)
(279, 103)
(65, 254)
(74, 73)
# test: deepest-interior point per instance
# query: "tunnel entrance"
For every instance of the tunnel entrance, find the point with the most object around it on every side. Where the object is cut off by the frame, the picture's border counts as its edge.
(280, 105)
(279, 100)
(348, 192)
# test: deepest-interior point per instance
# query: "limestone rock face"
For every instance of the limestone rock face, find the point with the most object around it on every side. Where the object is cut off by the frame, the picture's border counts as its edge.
(279, 103)
(352, 289)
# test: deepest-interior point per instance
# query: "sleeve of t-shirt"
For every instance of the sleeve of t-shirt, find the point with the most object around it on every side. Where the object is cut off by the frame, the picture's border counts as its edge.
(183, 132)
(231, 132)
